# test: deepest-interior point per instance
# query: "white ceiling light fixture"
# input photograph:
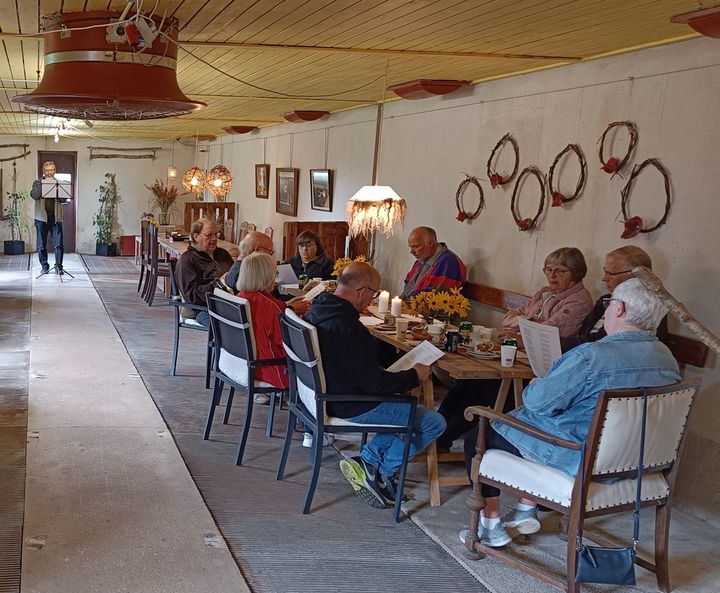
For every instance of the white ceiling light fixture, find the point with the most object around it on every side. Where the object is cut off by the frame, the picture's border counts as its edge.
(172, 171)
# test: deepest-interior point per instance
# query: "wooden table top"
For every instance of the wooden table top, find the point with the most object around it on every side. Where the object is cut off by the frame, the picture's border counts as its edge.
(177, 248)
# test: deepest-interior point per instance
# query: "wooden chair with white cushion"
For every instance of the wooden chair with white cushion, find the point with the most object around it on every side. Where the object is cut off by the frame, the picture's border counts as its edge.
(308, 399)
(606, 482)
(235, 361)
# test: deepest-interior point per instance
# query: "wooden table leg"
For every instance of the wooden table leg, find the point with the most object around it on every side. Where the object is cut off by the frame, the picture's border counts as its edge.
(502, 394)
(518, 389)
(431, 453)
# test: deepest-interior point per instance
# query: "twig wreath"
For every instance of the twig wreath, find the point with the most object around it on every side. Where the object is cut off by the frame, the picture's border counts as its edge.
(558, 198)
(527, 224)
(463, 214)
(613, 165)
(495, 177)
(634, 224)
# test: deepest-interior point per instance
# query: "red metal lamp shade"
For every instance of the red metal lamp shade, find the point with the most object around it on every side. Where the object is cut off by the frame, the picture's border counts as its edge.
(239, 129)
(423, 88)
(298, 116)
(705, 22)
(90, 77)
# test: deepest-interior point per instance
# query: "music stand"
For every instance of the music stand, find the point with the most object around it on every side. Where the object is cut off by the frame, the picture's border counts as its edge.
(57, 189)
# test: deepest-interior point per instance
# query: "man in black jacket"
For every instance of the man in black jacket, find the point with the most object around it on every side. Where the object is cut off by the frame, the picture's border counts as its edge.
(351, 367)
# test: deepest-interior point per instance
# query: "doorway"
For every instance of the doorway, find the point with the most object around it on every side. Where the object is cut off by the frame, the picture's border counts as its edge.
(66, 165)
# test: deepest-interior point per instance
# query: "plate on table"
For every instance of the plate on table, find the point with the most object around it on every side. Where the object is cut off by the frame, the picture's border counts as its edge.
(483, 355)
(369, 321)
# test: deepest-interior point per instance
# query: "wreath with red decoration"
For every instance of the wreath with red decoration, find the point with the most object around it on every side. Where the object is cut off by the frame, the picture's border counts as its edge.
(527, 224)
(613, 165)
(463, 214)
(495, 178)
(558, 199)
(635, 224)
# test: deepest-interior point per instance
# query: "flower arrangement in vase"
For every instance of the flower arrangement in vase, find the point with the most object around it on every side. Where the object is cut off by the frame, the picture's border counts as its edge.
(343, 262)
(440, 305)
(163, 199)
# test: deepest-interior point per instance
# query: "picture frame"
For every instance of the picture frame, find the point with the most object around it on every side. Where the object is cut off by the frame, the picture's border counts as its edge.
(262, 181)
(286, 190)
(321, 189)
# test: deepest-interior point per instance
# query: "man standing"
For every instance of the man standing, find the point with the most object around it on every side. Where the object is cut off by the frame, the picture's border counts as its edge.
(351, 367)
(48, 219)
(436, 268)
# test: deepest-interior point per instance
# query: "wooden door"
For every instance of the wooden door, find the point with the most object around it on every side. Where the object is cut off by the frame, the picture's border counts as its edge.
(66, 165)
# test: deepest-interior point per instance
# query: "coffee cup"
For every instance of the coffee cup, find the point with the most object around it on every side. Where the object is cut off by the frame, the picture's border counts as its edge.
(507, 355)
(435, 332)
(401, 326)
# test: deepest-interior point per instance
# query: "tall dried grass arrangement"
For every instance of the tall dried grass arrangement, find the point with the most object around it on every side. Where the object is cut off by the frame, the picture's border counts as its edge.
(163, 197)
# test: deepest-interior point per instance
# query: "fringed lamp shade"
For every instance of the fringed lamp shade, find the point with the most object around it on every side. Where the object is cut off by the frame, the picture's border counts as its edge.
(219, 181)
(375, 208)
(194, 180)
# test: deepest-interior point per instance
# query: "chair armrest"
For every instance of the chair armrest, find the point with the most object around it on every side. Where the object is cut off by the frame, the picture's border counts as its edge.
(179, 303)
(362, 397)
(491, 414)
(267, 362)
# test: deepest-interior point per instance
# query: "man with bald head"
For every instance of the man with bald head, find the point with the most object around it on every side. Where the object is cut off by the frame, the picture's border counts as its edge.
(252, 242)
(351, 366)
(435, 268)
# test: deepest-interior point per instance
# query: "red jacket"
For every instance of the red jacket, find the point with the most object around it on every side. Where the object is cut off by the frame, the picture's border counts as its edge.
(268, 339)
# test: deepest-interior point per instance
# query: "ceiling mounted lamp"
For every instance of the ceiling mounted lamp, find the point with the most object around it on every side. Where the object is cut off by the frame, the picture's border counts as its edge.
(219, 181)
(300, 116)
(172, 171)
(194, 180)
(111, 73)
(424, 88)
(239, 129)
(705, 21)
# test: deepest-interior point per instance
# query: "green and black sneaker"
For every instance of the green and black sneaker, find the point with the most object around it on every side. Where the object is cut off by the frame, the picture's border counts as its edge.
(363, 478)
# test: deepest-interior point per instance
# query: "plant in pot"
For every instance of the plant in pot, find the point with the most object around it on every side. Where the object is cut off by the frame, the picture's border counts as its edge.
(104, 219)
(14, 216)
(163, 199)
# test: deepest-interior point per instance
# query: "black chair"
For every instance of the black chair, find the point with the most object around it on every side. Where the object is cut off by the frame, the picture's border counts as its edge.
(156, 266)
(234, 362)
(185, 319)
(308, 399)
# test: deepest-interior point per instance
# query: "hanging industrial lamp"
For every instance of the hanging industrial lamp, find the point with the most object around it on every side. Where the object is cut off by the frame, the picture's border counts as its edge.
(172, 171)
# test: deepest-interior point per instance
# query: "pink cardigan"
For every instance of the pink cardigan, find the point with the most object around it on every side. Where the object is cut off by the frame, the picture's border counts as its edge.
(565, 310)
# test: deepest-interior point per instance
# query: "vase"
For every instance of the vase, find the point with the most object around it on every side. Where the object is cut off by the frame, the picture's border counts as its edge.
(164, 218)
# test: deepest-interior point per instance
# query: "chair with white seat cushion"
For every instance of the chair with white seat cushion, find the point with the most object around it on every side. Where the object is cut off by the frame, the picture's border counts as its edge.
(235, 362)
(308, 399)
(606, 482)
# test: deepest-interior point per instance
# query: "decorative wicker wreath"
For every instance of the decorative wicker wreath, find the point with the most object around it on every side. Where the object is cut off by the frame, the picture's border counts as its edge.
(634, 224)
(613, 165)
(558, 199)
(463, 214)
(494, 177)
(527, 224)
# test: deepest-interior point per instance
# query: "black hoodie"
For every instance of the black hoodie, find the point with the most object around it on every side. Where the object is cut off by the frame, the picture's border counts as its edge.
(349, 357)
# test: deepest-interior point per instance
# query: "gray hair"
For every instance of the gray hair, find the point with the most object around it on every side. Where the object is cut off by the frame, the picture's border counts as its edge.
(570, 257)
(633, 256)
(257, 272)
(198, 225)
(642, 308)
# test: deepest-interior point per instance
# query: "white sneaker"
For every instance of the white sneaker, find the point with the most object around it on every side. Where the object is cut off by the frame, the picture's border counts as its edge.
(261, 398)
(307, 439)
(328, 439)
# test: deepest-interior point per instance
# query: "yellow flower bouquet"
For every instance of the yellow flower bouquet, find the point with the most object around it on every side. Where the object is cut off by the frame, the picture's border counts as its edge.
(343, 262)
(445, 306)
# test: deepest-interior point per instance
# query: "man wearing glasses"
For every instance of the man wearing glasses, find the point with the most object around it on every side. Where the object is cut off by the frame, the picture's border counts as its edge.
(351, 366)
(617, 269)
(201, 265)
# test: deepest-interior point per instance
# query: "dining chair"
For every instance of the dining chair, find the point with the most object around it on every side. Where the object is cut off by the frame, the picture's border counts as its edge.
(143, 255)
(235, 362)
(269, 231)
(606, 482)
(308, 399)
(157, 267)
(184, 318)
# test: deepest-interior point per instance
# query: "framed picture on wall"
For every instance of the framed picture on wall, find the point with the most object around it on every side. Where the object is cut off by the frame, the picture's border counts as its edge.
(321, 189)
(262, 181)
(286, 191)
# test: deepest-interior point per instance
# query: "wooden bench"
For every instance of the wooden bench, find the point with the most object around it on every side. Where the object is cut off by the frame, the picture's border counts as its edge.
(686, 350)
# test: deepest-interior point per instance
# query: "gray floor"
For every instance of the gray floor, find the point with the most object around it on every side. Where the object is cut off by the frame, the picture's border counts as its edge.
(111, 505)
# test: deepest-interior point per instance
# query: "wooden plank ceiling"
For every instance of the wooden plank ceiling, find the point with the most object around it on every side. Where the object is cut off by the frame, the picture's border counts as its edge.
(253, 60)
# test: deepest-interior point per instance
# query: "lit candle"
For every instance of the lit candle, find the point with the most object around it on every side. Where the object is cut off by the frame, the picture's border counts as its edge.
(383, 302)
(396, 306)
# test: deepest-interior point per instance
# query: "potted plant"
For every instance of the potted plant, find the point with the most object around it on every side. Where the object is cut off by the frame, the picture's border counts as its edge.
(14, 217)
(163, 199)
(104, 219)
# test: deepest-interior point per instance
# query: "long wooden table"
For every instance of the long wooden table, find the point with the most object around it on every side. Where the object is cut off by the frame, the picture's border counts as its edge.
(177, 248)
(461, 366)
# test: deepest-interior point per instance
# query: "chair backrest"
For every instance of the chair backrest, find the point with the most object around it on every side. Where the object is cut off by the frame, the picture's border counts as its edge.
(231, 323)
(614, 439)
(302, 347)
(144, 239)
(153, 246)
(269, 231)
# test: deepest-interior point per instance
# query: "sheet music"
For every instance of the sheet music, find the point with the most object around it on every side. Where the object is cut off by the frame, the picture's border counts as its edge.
(56, 189)
(286, 275)
(319, 289)
(542, 344)
(423, 353)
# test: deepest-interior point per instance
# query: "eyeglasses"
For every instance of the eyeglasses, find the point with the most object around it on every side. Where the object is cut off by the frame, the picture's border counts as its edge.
(265, 250)
(376, 293)
(615, 273)
(607, 300)
(555, 271)
(210, 235)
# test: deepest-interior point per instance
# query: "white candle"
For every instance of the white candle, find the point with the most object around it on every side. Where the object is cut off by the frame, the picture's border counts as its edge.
(225, 219)
(217, 213)
(383, 302)
(200, 213)
(396, 306)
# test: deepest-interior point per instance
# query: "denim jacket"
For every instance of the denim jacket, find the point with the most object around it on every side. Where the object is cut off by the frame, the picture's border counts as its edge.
(562, 403)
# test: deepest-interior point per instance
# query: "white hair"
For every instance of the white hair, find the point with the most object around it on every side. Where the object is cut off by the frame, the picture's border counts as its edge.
(642, 308)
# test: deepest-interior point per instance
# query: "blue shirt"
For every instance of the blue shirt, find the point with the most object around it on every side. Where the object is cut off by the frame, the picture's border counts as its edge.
(563, 402)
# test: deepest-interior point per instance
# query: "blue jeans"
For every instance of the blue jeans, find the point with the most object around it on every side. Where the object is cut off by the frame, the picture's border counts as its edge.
(203, 318)
(42, 228)
(385, 451)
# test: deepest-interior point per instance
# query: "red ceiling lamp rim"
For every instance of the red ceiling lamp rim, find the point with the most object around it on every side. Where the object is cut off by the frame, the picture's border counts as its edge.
(302, 115)
(705, 21)
(427, 87)
(239, 129)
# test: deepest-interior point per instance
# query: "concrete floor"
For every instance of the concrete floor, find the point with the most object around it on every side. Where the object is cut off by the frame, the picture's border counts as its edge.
(110, 505)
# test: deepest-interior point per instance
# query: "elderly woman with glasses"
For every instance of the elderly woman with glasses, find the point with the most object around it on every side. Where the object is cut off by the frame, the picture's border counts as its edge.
(310, 258)
(201, 265)
(564, 302)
